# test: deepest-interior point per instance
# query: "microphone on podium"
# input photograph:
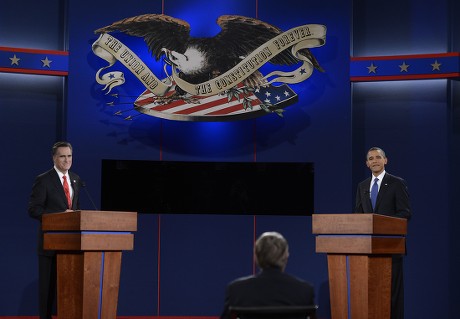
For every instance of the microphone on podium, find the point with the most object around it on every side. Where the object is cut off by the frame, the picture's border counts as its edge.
(83, 185)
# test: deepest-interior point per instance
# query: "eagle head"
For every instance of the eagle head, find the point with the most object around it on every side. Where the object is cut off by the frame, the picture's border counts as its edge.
(192, 62)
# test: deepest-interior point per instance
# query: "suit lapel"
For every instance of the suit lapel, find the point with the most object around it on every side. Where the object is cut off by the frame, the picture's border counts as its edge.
(383, 189)
(58, 185)
(367, 205)
(76, 189)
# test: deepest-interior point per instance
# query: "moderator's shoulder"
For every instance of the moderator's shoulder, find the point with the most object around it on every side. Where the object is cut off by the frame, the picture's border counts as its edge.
(242, 281)
(298, 280)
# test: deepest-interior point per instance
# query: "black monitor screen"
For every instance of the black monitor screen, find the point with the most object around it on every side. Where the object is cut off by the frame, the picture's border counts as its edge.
(162, 187)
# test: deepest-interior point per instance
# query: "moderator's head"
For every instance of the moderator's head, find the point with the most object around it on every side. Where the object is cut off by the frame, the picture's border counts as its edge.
(271, 250)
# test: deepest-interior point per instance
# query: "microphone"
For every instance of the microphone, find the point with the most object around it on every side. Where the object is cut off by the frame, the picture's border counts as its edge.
(83, 185)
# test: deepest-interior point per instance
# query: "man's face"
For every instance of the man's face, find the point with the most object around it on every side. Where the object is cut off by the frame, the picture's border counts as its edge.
(63, 159)
(376, 162)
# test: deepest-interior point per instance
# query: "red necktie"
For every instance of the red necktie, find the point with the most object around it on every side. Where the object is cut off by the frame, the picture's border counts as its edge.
(67, 191)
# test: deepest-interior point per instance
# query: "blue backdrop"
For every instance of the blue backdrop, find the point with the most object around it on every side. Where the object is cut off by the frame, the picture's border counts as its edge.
(182, 263)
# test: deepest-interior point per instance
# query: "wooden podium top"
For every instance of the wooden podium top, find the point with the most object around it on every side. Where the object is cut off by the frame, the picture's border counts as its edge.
(91, 220)
(365, 234)
(368, 224)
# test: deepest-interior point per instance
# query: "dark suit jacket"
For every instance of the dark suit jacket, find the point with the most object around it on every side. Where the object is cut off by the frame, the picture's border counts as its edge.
(48, 197)
(271, 287)
(392, 199)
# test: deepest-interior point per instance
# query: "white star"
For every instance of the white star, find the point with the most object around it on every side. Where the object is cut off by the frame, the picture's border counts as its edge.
(267, 100)
(268, 94)
(436, 65)
(15, 60)
(404, 67)
(46, 62)
(372, 68)
(278, 98)
(286, 93)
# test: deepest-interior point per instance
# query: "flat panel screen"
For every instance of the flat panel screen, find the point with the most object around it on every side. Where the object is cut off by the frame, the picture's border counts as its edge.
(162, 187)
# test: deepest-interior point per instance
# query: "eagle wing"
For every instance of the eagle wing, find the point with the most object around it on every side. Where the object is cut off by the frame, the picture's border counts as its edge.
(158, 30)
(243, 35)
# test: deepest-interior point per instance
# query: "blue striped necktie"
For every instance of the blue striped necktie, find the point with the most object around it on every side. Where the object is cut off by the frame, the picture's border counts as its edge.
(374, 192)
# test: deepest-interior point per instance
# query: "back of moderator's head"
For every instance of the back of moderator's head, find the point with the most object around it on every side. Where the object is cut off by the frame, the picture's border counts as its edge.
(271, 250)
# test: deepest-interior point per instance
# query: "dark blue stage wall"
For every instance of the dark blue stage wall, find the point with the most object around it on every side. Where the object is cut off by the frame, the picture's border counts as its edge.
(182, 263)
(201, 254)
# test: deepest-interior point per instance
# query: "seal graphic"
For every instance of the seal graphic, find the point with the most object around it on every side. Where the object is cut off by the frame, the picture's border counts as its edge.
(214, 78)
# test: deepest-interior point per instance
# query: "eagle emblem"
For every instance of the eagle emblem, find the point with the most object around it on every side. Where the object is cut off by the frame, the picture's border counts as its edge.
(210, 78)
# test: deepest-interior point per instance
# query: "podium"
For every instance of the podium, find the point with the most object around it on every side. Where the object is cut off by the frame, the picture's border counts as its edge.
(359, 250)
(88, 248)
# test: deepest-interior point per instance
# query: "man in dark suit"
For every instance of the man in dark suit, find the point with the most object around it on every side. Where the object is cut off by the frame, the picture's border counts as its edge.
(391, 199)
(272, 286)
(49, 196)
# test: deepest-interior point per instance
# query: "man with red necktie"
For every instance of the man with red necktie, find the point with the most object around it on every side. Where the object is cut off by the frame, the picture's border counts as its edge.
(49, 196)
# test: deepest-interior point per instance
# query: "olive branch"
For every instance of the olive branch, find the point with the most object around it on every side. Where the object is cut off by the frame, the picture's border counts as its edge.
(244, 93)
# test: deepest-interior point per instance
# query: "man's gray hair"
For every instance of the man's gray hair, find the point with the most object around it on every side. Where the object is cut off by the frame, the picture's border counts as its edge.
(271, 250)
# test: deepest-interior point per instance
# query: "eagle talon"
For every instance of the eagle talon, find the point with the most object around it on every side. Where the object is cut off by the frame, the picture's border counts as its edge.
(191, 100)
(163, 100)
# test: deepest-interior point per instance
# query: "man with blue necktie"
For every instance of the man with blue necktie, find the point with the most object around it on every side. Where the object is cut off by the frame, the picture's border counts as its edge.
(386, 194)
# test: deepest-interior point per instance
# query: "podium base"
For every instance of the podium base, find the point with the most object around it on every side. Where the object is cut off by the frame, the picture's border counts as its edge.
(360, 286)
(87, 284)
